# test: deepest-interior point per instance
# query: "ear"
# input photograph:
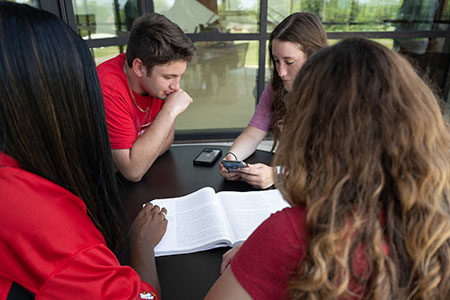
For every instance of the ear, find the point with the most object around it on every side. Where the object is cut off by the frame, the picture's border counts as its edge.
(139, 68)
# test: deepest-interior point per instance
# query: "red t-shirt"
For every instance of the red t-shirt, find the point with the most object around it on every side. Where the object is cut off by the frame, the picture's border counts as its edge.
(125, 121)
(266, 261)
(50, 246)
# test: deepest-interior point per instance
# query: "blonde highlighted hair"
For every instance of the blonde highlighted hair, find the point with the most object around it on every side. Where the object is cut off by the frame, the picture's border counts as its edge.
(365, 149)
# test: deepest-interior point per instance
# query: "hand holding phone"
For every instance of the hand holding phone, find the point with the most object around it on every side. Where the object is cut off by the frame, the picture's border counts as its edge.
(233, 165)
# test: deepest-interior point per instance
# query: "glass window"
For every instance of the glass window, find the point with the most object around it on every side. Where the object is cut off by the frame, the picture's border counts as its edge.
(221, 79)
(432, 64)
(193, 16)
(364, 15)
(102, 54)
(104, 19)
(267, 70)
(34, 3)
(388, 43)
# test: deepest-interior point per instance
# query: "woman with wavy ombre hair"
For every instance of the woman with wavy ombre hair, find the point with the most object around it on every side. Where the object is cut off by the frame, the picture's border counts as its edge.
(364, 158)
(371, 167)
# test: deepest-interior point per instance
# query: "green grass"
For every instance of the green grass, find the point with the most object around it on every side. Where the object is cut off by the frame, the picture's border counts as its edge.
(104, 53)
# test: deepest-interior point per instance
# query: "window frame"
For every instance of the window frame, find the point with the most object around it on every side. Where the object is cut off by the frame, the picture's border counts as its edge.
(64, 9)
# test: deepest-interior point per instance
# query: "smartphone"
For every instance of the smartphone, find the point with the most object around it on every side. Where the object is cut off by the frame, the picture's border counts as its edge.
(233, 165)
(207, 157)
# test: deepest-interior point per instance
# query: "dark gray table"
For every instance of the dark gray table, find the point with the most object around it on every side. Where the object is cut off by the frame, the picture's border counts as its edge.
(187, 276)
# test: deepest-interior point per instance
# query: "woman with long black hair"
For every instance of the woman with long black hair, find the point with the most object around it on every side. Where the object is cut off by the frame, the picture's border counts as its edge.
(62, 220)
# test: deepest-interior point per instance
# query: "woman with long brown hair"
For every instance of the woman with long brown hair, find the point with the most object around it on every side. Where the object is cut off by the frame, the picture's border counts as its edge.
(291, 42)
(365, 164)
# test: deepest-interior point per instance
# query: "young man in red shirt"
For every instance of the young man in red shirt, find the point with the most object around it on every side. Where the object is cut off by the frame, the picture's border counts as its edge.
(142, 94)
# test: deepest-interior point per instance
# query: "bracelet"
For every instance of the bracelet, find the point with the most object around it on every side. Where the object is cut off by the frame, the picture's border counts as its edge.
(232, 154)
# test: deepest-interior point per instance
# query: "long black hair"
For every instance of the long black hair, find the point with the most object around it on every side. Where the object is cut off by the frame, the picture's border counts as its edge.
(52, 118)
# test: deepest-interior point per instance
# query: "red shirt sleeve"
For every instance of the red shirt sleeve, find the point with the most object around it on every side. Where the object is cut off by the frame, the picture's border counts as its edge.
(267, 259)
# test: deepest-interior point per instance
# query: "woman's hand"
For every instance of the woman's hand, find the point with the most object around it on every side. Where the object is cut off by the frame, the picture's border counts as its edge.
(149, 226)
(259, 175)
(226, 258)
(227, 174)
(146, 232)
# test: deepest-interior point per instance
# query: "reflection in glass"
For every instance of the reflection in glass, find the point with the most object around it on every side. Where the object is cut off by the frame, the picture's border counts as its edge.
(221, 79)
(388, 43)
(193, 16)
(104, 19)
(34, 3)
(433, 64)
(363, 15)
(415, 15)
(267, 71)
(102, 54)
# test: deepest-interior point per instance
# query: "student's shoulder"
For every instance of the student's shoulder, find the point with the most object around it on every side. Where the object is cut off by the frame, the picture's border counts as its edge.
(289, 215)
(111, 71)
(287, 227)
(268, 90)
(284, 226)
(35, 191)
(114, 64)
(112, 78)
(30, 199)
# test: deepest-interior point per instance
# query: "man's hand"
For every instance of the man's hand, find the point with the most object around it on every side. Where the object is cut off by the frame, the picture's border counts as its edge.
(259, 175)
(177, 102)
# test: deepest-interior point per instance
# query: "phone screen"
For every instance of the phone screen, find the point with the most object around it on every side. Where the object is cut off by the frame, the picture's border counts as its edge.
(233, 165)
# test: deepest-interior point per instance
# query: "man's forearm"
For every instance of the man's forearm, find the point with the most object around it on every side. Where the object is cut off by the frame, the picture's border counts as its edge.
(169, 141)
(154, 141)
(146, 148)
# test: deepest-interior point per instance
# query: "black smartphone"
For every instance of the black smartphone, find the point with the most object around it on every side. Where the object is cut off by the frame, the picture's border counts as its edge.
(207, 157)
(233, 165)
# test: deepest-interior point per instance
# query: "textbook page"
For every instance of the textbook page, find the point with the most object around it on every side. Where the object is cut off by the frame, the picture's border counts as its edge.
(245, 211)
(195, 222)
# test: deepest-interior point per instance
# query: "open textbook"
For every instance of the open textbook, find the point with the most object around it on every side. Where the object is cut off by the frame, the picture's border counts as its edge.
(205, 219)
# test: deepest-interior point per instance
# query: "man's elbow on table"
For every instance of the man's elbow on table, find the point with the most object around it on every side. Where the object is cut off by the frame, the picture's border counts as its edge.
(130, 176)
(131, 170)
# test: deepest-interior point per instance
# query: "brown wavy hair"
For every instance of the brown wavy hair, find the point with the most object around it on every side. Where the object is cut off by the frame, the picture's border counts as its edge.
(305, 30)
(365, 149)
